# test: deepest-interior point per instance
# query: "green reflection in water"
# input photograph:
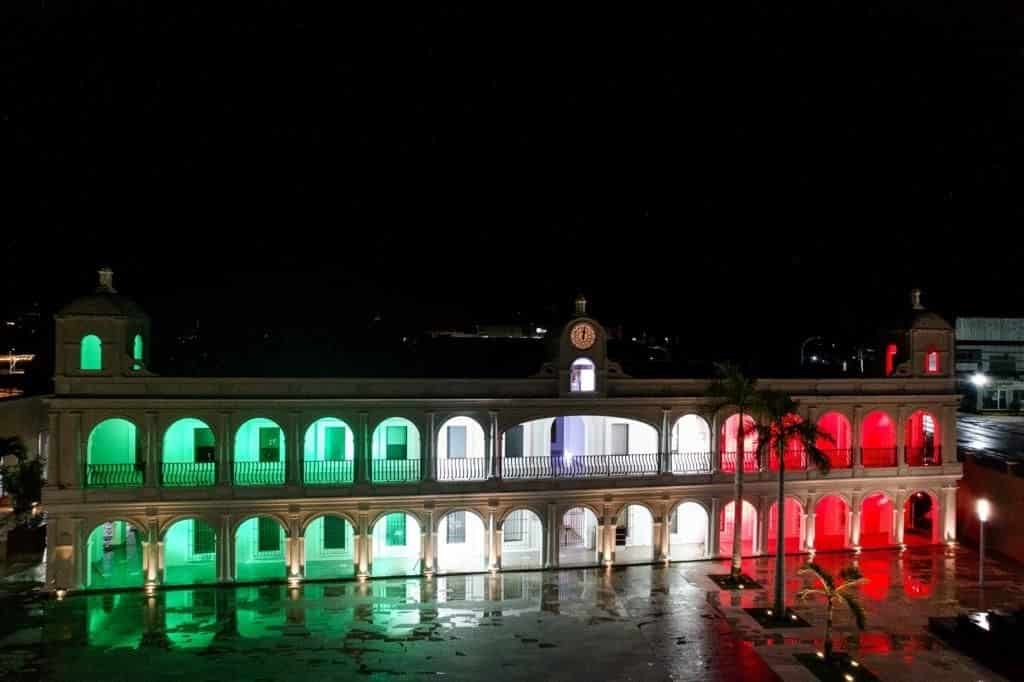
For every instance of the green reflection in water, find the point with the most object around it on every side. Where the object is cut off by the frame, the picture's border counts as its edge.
(114, 620)
(190, 618)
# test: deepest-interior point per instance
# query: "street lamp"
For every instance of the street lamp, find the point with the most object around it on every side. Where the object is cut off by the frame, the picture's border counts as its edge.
(979, 379)
(983, 509)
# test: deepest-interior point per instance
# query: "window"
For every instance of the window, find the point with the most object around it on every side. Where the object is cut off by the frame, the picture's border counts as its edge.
(514, 528)
(334, 444)
(395, 530)
(269, 539)
(931, 361)
(203, 539)
(334, 532)
(202, 445)
(92, 353)
(137, 352)
(514, 442)
(890, 358)
(456, 442)
(456, 528)
(581, 376)
(395, 438)
(270, 444)
(620, 439)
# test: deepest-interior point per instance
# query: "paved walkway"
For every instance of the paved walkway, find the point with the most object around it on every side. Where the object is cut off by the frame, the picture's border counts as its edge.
(636, 623)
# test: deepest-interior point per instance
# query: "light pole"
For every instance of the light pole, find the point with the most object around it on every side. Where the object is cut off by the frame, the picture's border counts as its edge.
(983, 509)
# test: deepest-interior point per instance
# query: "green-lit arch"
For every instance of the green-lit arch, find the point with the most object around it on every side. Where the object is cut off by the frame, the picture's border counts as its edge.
(111, 455)
(137, 352)
(329, 547)
(113, 556)
(91, 357)
(328, 439)
(258, 555)
(248, 439)
(188, 440)
(190, 553)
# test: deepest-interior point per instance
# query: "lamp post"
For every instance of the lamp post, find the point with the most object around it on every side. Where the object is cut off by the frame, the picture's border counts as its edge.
(983, 509)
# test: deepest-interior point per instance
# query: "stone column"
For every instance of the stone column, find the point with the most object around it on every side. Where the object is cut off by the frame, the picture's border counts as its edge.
(761, 529)
(716, 450)
(499, 450)
(151, 554)
(224, 450)
(498, 544)
(430, 452)
(660, 549)
(665, 444)
(296, 546)
(293, 451)
(52, 470)
(901, 439)
(363, 542)
(856, 443)
(711, 545)
(428, 544)
(854, 526)
(948, 513)
(79, 553)
(809, 525)
(81, 453)
(606, 531)
(898, 516)
(363, 454)
(225, 550)
(551, 536)
(489, 438)
(151, 477)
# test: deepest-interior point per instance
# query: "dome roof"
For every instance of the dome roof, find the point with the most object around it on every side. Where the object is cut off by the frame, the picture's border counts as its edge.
(104, 302)
(924, 319)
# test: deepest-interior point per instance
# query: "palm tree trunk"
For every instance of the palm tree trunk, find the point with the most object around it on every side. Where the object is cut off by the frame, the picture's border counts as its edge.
(780, 536)
(737, 510)
(828, 632)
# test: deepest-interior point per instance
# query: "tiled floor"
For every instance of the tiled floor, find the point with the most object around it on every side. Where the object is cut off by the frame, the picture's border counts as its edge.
(636, 623)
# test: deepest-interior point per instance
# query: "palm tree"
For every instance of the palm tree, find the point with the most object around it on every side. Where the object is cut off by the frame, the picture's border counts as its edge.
(733, 388)
(833, 594)
(781, 427)
(22, 477)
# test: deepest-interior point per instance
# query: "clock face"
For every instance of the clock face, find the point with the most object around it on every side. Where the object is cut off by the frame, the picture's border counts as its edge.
(582, 336)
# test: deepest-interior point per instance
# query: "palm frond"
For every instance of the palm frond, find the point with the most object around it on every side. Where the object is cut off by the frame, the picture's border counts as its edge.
(817, 458)
(806, 592)
(856, 608)
(820, 573)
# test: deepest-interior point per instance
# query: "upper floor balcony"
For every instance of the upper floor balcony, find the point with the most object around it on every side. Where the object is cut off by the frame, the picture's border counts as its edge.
(331, 452)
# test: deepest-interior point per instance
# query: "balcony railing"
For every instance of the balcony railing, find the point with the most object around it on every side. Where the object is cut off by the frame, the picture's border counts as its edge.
(259, 473)
(840, 458)
(327, 472)
(924, 456)
(113, 476)
(691, 463)
(395, 470)
(187, 474)
(581, 466)
(468, 469)
(794, 458)
(749, 462)
(878, 457)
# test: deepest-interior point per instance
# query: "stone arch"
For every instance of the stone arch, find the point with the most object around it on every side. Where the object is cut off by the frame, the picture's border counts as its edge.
(421, 519)
(253, 561)
(277, 516)
(209, 519)
(522, 546)
(116, 561)
(579, 539)
(465, 548)
(190, 547)
(461, 459)
(396, 550)
(634, 536)
(689, 525)
(794, 532)
(640, 503)
(440, 513)
(915, 518)
(831, 523)
(499, 519)
(312, 516)
(877, 520)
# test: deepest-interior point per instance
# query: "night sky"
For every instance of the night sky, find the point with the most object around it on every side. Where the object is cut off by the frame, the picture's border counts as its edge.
(735, 177)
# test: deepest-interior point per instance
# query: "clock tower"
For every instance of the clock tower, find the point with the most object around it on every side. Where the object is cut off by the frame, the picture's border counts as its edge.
(582, 364)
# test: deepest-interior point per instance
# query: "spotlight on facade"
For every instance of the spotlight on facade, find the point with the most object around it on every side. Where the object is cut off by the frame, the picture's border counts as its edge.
(979, 379)
(61, 594)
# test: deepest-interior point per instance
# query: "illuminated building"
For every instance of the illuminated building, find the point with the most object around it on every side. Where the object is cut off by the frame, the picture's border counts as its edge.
(160, 479)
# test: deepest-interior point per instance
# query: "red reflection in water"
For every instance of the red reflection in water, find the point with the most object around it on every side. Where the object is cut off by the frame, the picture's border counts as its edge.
(877, 572)
(876, 520)
(917, 588)
(830, 523)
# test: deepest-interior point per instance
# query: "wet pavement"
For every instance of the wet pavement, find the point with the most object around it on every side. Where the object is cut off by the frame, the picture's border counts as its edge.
(633, 623)
(1001, 436)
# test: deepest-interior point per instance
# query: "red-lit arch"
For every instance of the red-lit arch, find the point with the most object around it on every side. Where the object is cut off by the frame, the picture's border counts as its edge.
(840, 449)
(878, 440)
(923, 439)
(729, 444)
(876, 521)
(830, 523)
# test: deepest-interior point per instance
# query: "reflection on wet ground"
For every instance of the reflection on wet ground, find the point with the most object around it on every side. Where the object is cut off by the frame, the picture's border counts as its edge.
(640, 623)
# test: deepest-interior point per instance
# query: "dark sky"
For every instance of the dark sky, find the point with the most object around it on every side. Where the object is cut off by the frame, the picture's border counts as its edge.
(754, 173)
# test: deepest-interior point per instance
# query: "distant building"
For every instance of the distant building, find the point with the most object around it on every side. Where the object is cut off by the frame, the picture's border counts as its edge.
(989, 361)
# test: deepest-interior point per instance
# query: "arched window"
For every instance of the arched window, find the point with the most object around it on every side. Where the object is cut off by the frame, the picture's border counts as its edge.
(931, 361)
(581, 376)
(890, 358)
(137, 352)
(92, 353)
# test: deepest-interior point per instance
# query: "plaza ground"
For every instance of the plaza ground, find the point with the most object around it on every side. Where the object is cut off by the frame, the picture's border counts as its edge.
(631, 623)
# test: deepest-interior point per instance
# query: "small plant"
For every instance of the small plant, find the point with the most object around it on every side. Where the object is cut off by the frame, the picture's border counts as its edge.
(833, 594)
(22, 476)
